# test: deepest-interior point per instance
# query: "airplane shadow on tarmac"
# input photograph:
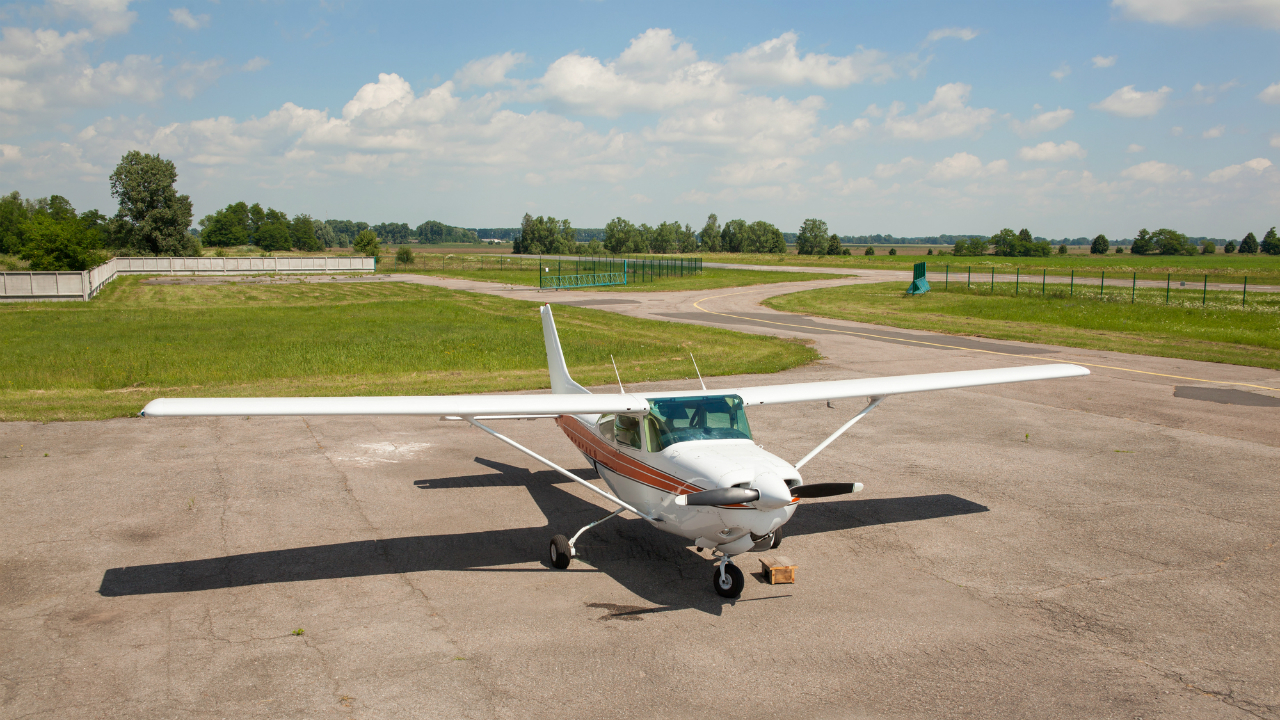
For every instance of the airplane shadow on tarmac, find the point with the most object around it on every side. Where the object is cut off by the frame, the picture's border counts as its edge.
(657, 566)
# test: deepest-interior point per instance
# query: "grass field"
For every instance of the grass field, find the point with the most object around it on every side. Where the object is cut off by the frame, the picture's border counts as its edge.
(135, 342)
(1222, 332)
(1220, 266)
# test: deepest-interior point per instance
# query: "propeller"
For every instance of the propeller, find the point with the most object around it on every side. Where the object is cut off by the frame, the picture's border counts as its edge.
(818, 490)
(720, 496)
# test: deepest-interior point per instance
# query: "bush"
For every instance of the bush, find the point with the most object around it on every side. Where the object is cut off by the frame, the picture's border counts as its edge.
(930, 252)
(1120, 250)
(366, 243)
(1207, 247)
(1141, 244)
(1100, 245)
(1271, 243)
(893, 251)
(1062, 249)
(1230, 247)
(869, 251)
(404, 256)
(1249, 245)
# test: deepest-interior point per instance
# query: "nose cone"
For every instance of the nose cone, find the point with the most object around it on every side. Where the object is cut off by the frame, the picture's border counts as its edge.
(773, 490)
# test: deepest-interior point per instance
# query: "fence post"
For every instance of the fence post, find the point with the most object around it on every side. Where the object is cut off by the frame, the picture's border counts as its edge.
(1017, 279)
(993, 280)
(1102, 285)
(1133, 293)
(1043, 278)
(1245, 295)
(946, 279)
(969, 283)
(1167, 280)
(1204, 298)
(1073, 282)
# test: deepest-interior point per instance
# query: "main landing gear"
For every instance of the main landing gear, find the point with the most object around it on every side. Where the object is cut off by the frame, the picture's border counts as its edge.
(562, 550)
(727, 578)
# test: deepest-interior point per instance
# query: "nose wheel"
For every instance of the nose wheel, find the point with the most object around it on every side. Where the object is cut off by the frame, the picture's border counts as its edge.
(561, 554)
(727, 579)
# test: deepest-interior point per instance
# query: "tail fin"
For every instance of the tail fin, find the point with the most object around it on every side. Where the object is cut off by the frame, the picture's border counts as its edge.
(561, 383)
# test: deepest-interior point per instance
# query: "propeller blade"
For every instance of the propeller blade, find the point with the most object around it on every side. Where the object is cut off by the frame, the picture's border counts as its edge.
(720, 496)
(818, 490)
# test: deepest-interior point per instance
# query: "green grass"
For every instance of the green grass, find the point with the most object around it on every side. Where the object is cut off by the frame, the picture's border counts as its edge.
(1219, 266)
(1221, 332)
(706, 280)
(136, 342)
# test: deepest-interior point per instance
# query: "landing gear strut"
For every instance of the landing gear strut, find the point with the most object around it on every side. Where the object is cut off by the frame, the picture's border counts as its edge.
(727, 578)
(562, 548)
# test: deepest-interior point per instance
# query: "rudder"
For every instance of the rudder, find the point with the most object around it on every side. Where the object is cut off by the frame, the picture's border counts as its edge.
(561, 383)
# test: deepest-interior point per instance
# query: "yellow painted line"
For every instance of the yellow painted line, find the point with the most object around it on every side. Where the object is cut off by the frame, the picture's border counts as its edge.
(955, 347)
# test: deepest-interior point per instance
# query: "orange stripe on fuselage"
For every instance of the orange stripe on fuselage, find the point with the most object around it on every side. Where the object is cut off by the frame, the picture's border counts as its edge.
(597, 449)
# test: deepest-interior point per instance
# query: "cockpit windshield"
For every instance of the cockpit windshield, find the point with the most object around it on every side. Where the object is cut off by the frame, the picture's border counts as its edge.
(680, 419)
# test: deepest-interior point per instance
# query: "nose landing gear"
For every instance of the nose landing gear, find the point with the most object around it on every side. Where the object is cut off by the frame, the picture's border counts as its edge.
(727, 578)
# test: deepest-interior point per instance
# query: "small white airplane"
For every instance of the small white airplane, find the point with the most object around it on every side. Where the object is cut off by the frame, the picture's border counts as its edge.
(684, 461)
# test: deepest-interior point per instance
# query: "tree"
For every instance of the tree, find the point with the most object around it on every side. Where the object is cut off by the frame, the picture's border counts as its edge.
(893, 251)
(227, 227)
(1249, 245)
(153, 218)
(763, 237)
(1100, 245)
(12, 214)
(869, 251)
(1270, 243)
(1171, 242)
(733, 235)
(366, 243)
(688, 242)
(1230, 247)
(1120, 250)
(65, 244)
(813, 237)
(619, 235)
(325, 234)
(520, 244)
(273, 236)
(1062, 249)
(1142, 243)
(709, 238)
(971, 247)
(595, 247)
(302, 231)
(833, 245)
(404, 256)
(1207, 247)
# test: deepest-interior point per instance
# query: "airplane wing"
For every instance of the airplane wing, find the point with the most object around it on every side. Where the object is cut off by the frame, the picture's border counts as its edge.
(442, 405)
(895, 385)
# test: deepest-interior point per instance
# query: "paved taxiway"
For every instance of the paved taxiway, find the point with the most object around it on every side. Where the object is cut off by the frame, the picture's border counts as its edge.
(1094, 547)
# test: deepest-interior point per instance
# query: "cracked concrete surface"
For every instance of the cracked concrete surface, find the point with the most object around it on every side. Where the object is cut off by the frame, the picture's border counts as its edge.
(1095, 547)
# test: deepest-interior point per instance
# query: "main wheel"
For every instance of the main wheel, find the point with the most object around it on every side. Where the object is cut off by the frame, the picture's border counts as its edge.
(730, 584)
(777, 539)
(560, 554)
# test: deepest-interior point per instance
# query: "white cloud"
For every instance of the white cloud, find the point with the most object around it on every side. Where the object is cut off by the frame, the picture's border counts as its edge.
(1271, 95)
(1127, 102)
(190, 78)
(1062, 71)
(1275, 141)
(833, 179)
(106, 17)
(752, 125)
(1200, 12)
(255, 64)
(10, 153)
(183, 17)
(777, 62)
(757, 172)
(946, 115)
(1051, 120)
(965, 34)
(1100, 61)
(885, 170)
(1156, 172)
(1134, 148)
(962, 165)
(1176, 131)
(1257, 165)
(1051, 152)
(655, 54)
(1215, 132)
(488, 71)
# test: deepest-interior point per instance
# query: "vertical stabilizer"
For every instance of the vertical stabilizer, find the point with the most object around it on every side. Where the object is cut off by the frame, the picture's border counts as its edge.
(561, 383)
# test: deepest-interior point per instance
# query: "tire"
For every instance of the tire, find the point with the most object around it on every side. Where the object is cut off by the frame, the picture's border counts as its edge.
(731, 585)
(777, 539)
(560, 554)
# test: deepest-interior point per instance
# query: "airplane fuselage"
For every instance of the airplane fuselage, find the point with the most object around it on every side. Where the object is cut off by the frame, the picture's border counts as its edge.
(652, 480)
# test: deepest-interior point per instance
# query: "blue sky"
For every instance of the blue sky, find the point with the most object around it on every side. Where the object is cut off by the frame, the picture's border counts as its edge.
(1070, 119)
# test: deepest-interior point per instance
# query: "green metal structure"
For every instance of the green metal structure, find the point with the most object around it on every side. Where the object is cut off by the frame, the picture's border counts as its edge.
(919, 285)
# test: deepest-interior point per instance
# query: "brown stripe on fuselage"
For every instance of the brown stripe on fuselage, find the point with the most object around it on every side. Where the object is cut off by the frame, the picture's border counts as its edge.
(597, 449)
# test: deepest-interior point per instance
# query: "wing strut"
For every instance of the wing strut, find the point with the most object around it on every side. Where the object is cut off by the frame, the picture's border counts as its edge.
(560, 470)
(870, 406)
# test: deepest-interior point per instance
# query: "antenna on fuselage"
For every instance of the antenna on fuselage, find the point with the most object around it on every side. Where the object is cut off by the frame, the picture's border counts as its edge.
(695, 369)
(621, 391)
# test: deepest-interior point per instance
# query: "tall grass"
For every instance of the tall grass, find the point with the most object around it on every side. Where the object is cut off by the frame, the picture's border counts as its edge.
(136, 342)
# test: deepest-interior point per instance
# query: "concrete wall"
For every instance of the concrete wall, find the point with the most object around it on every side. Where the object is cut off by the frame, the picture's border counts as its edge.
(28, 286)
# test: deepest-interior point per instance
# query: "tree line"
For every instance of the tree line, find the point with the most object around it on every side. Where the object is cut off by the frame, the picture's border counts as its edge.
(547, 235)
(272, 230)
(153, 219)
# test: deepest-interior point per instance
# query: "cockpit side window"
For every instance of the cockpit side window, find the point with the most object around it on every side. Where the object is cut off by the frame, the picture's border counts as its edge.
(676, 420)
(606, 426)
(626, 430)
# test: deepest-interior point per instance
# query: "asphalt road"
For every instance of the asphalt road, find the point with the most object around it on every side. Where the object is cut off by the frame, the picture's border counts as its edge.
(1098, 547)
